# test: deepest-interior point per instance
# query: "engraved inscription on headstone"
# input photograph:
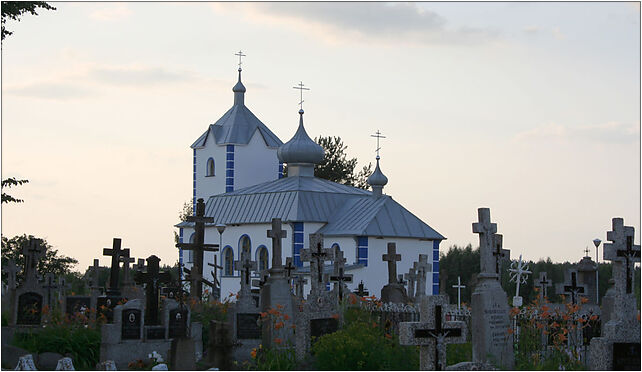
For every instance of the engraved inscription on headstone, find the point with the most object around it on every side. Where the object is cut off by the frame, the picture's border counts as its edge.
(131, 324)
(177, 323)
(29, 308)
(626, 356)
(320, 327)
(247, 326)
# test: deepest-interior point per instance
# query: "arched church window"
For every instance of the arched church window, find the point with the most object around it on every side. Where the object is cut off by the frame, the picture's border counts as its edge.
(190, 253)
(210, 168)
(262, 258)
(245, 246)
(228, 260)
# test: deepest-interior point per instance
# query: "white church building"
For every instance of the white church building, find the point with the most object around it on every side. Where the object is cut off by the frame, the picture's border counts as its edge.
(238, 171)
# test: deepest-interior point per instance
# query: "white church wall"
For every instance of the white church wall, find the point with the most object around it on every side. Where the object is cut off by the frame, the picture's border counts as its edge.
(254, 163)
(207, 186)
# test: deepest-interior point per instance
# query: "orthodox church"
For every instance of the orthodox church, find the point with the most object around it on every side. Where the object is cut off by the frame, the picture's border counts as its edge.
(238, 171)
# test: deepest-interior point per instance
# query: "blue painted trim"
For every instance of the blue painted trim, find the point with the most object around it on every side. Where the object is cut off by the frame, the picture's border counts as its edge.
(194, 183)
(229, 168)
(180, 252)
(229, 173)
(280, 170)
(230, 148)
(435, 267)
(207, 168)
(362, 250)
(257, 257)
(227, 249)
(297, 243)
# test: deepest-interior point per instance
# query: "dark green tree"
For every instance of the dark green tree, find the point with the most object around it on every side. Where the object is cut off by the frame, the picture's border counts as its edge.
(336, 166)
(6, 198)
(52, 262)
(15, 9)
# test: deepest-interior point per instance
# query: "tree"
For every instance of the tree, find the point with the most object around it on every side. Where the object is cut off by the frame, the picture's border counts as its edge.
(50, 263)
(15, 9)
(6, 198)
(336, 166)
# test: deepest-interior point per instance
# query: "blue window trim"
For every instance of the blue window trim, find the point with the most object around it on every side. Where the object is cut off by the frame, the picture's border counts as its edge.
(239, 245)
(225, 250)
(297, 242)
(435, 267)
(258, 257)
(207, 168)
(280, 170)
(180, 252)
(194, 183)
(362, 250)
(229, 168)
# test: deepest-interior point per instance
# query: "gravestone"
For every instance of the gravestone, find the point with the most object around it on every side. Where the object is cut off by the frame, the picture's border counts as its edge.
(619, 346)
(115, 253)
(518, 274)
(29, 295)
(181, 355)
(51, 287)
(608, 303)
(245, 331)
(178, 318)
(77, 304)
(490, 319)
(8, 298)
(219, 351)
(411, 279)
(571, 289)
(94, 287)
(422, 267)
(432, 333)
(299, 284)
(393, 292)
(152, 279)
(586, 275)
(338, 276)
(361, 290)
(543, 283)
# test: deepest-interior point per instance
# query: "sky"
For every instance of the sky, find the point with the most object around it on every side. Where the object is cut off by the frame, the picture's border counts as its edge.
(530, 109)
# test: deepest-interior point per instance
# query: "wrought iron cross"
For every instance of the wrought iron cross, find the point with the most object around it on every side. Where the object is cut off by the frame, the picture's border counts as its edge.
(301, 88)
(573, 289)
(377, 135)
(630, 255)
(240, 55)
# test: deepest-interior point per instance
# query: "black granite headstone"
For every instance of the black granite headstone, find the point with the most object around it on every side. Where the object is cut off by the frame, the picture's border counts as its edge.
(320, 327)
(177, 323)
(155, 332)
(106, 304)
(247, 326)
(131, 324)
(29, 308)
(75, 304)
(626, 356)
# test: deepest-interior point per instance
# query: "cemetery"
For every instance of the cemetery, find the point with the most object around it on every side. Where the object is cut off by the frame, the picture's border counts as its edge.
(276, 267)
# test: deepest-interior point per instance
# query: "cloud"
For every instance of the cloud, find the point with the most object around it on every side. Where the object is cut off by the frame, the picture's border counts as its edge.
(608, 133)
(531, 29)
(393, 23)
(138, 75)
(111, 12)
(50, 90)
(557, 33)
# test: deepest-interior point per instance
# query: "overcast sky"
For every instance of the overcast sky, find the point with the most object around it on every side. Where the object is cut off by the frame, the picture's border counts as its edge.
(531, 109)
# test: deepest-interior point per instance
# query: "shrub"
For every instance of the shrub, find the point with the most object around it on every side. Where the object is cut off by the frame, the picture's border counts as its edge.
(205, 311)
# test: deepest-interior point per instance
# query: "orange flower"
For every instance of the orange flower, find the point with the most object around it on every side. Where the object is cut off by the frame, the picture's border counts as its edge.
(352, 299)
(278, 341)
(561, 337)
(540, 325)
(593, 317)
(263, 315)
(581, 320)
(565, 317)
(388, 335)
(279, 325)
(293, 326)
(510, 331)
(280, 307)
(374, 325)
(286, 316)
(253, 353)
(335, 316)
(583, 300)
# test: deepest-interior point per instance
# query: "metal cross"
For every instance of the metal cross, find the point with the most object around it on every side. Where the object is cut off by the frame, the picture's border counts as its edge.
(586, 252)
(240, 55)
(519, 273)
(544, 282)
(499, 253)
(361, 291)
(377, 135)
(289, 267)
(115, 252)
(301, 88)
(459, 287)
(341, 278)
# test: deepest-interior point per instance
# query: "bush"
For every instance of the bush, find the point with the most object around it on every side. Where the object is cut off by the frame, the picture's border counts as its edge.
(205, 311)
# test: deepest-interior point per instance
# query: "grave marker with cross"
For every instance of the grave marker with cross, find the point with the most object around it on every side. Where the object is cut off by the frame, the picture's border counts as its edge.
(338, 275)
(289, 267)
(623, 254)
(543, 283)
(216, 291)
(486, 231)
(50, 288)
(115, 252)
(263, 275)
(519, 274)
(33, 250)
(573, 289)
(152, 279)
(246, 266)
(63, 287)
(126, 260)
(299, 283)
(316, 255)
(498, 252)
(432, 333)
(411, 278)
(392, 257)
(361, 291)
(422, 267)
(277, 234)
(12, 270)
(459, 287)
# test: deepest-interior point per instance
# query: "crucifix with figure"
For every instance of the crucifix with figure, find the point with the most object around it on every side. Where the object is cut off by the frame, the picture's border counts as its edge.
(543, 283)
(361, 290)
(316, 255)
(246, 266)
(115, 252)
(573, 288)
(623, 254)
(199, 247)
(152, 278)
(338, 275)
(432, 333)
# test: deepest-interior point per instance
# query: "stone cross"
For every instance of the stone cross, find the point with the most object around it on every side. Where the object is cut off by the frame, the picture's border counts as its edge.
(115, 252)
(198, 246)
(33, 250)
(152, 278)
(63, 287)
(361, 291)
(12, 270)
(432, 333)
(299, 283)
(338, 275)
(422, 268)
(543, 282)
(316, 255)
(140, 265)
(392, 257)
(289, 267)
(50, 288)
(400, 280)
(623, 253)
(519, 273)
(573, 288)
(277, 234)
(126, 260)
(459, 287)
(498, 252)
(411, 277)
(486, 231)
(260, 282)
(246, 266)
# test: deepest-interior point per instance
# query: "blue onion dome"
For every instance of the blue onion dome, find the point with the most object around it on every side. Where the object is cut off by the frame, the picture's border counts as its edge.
(239, 87)
(377, 178)
(301, 148)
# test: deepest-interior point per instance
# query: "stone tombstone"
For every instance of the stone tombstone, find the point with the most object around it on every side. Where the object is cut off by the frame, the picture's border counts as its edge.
(490, 315)
(411, 278)
(422, 267)
(152, 280)
(94, 287)
(586, 275)
(178, 322)
(105, 306)
(29, 295)
(182, 354)
(220, 353)
(247, 326)
(571, 289)
(51, 287)
(65, 364)
(619, 346)
(26, 363)
(339, 277)
(11, 269)
(394, 291)
(131, 324)
(77, 304)
(323, 326)
(432, 333)
(543, 283)
(608, 304)
(115, 253)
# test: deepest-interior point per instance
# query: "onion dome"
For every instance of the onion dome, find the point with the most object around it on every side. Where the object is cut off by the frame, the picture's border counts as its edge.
(301, 149)
(586, 264)
(377, 180)
(239, 91)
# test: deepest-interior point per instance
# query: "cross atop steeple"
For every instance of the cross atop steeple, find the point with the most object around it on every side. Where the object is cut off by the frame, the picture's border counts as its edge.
(586, 252)
(377, 135)
(240, 54)
(301, 88)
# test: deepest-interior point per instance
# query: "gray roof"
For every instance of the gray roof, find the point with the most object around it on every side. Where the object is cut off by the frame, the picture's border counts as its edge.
(346, 210)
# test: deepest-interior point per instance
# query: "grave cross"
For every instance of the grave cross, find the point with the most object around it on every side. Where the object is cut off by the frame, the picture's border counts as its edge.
(573, 289)
(431, 334)
(361, 291)
(486, 230)
(316, 255)
(260, 282)
(341, 278)
(519, 273)
(246, 267)
(50, 287)
(622, 251)
(63, 287)
(499, 253)
(11, 270)
(459, 287)
(411, 277)
(151, 279)
(422, 267)
(277, 234)
(299, 283)
(215, 266)
(289, 267)
(126, 260)
(543, 282)
(198, 246)
(115, 252)
(140, 265)
(33, 250)
(392, 257)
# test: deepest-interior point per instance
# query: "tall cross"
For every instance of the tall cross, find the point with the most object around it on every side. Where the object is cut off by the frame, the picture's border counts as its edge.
(459, 287)
(432, 334)
(392, 257)
(573, 288)
(50, 287)
(361, 291)
(301, 88)
(422, 267)
(377, 135)
(498, 252)
(621, 252)
(33, 250)
(240, 55)
(213, 272)
(586, 252)
(519, 273)
(199, 246)
(486, 231)
(152, 278)
(94, 274)
(246, 266)
(338, 275)
(299, 283)
(543, 282)
(126, 260)
(289, 267)
(277, 234)
(115, 252)
(411, 277)
(316, 255)
(12, 270)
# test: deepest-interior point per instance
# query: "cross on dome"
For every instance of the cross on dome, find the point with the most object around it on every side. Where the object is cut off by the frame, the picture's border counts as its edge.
(240, 55)
(301, 88)
(377, 135)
